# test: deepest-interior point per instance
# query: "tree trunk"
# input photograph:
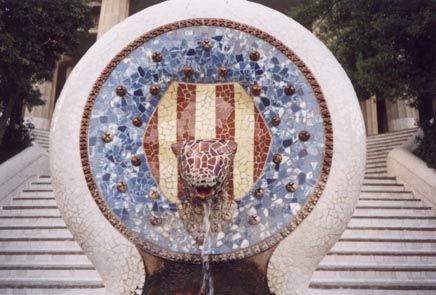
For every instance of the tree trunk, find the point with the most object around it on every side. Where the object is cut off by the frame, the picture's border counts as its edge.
(425, 107)
(4, 124)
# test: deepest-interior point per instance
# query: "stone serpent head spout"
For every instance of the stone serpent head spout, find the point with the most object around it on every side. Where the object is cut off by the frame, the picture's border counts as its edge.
(205, 167)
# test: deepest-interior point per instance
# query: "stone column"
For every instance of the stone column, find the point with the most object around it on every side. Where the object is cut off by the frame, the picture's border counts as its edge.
(111, 13)
(369, 112)
(400, 115)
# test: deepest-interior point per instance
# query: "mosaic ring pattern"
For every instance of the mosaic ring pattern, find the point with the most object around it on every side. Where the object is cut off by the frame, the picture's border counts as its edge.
(105, 164)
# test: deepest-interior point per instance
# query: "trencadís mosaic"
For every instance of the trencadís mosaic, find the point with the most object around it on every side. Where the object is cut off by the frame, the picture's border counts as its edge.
(202, 79)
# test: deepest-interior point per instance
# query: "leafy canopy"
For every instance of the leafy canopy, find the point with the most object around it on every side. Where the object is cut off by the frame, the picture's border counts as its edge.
(387, 47)
(33, 35)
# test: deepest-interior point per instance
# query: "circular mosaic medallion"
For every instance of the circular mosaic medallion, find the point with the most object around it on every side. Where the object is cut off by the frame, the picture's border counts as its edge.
(203, 79)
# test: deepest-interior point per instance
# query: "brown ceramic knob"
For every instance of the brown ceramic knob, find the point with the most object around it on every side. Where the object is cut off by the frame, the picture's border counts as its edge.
(277, 158)
(254, 219)
(254, 55)
(136, 161)
(121, 90)
(276, 121)
(154, 220)
(289, 90)
(256, 90)
(215, 227)
(206, 44)
(155, 89)
(122, 187)
(223, 71)
(258, 193)
(156, 56)
(226, 216)
(291, 187)
(153, 195)
(304, 135)
(137, 121)
(107, 137)
(188, 71)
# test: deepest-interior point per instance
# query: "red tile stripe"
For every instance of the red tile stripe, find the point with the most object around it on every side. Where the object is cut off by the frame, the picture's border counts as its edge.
(225, 119)
(151, 145)
(262, 142)
(186, 95)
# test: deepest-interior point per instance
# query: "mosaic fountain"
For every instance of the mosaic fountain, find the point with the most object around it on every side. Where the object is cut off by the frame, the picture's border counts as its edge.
(207, 139)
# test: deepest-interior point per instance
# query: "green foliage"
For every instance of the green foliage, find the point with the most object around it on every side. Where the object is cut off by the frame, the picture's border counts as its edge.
(19, 137)
(33, 35)
(426, 149)
(386, 47)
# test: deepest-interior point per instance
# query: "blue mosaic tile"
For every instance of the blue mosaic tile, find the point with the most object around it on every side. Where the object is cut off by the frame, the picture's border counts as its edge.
(110, 162)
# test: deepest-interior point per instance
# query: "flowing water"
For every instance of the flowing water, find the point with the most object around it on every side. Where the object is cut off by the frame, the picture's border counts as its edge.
(207, 284)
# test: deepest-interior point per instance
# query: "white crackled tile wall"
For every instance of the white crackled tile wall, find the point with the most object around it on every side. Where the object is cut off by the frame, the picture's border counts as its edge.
(297, 256)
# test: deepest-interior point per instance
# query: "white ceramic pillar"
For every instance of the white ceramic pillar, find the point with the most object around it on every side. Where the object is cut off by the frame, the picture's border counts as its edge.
(112, 12)
(40, 116)
(369, 112)
(400, 115)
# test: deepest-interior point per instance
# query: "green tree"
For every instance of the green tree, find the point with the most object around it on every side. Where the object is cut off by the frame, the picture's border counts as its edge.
(387, 47)
(33, 36)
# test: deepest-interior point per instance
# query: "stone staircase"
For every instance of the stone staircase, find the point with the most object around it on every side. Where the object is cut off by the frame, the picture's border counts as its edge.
(41, 137)
(38, 255)
(389, 246)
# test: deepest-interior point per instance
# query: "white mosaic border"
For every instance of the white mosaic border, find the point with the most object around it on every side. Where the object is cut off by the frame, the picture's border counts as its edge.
(294, 261)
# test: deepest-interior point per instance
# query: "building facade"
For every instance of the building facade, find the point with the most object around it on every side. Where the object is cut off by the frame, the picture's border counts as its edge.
(380, 116)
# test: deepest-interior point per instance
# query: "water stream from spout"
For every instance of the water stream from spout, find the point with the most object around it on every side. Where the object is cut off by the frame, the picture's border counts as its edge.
(207, 284)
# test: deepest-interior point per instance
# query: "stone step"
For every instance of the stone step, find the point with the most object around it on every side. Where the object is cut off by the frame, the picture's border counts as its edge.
(374, 159)
(53, 291)
(49, 272)
(388, 233)
(34, 259)
(51, 287)
(38, 202)
(331, 290)
(40, 131)
(376, 170)
(404, 132)
(38, 232)
(393, 211)
(380, 148)
(376, 164)
(371, 155)
(39, 211)
(20, 221)
(380, 180)
(39, 244)
(389, 137)
(385, 195)
(380, 174)
(387, 142)
(375, 258)
(372, 272)
(383, 187)
(381, 244)
(41, 141)
(390, 287)
(389, 202)
(399, 221)
(40, 185)
(36, 194)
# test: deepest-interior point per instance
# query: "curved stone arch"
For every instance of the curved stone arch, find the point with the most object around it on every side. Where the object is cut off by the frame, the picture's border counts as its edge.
(295, 259)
